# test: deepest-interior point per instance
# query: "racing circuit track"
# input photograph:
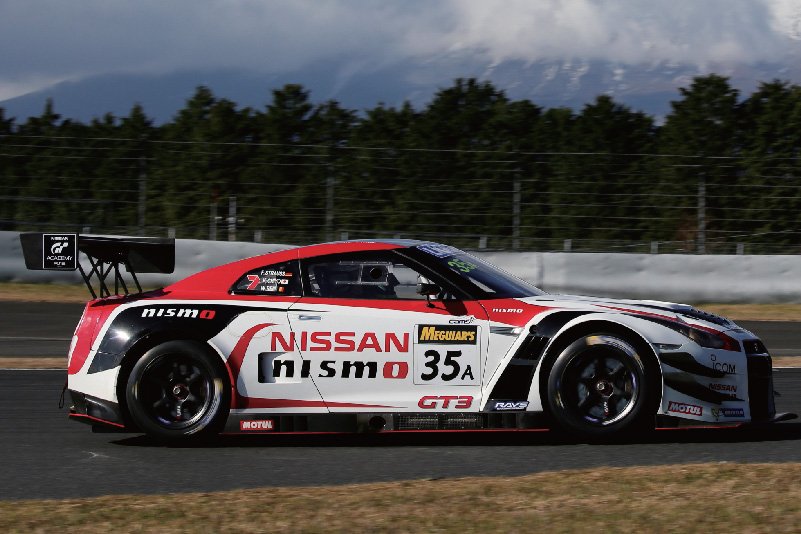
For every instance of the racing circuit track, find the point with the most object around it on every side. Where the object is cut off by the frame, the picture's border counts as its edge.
(50, 457)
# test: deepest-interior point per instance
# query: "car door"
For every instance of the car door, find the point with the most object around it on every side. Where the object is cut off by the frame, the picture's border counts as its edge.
(264, 360)
(374, 344)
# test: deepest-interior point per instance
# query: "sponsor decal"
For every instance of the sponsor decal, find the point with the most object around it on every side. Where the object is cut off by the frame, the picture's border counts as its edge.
(509, 405)
(507, 310)
(717, 413)
(686, 409)
(727, 389)
(443, 334)
(464, 320)
(185, 313)
(60, 251)
(440, 366)
(462, 265)
(726, 367)
(338, 342)
(266, 424)
(343, 369)
(439, 251)
(430, 402)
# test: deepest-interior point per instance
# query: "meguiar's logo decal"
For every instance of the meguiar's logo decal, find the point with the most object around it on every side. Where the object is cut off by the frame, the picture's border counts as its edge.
(447, 334)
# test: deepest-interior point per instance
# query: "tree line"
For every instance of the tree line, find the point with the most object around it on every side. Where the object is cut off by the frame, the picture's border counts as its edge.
(473, 167)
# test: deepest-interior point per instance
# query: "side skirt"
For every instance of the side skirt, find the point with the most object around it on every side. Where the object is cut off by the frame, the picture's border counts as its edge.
(250, 423)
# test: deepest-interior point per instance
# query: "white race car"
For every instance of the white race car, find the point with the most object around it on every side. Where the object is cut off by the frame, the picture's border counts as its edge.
(391, 336)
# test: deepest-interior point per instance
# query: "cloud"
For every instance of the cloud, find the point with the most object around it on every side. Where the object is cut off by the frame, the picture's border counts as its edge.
(44, 41)
(627, 31)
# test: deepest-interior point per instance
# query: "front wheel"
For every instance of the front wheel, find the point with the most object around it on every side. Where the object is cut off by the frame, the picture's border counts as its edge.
(600, 387)
(177, 390)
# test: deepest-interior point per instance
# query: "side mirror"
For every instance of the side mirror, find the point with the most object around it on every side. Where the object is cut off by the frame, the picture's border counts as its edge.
(429, 290)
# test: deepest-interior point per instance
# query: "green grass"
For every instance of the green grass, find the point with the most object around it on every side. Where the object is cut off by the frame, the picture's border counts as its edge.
(732, 498)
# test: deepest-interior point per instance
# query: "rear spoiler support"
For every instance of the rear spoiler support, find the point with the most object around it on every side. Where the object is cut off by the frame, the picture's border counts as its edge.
(59, 252)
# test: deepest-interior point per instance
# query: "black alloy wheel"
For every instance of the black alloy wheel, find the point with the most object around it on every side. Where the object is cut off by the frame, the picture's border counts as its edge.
(600, 387)
(178, 390)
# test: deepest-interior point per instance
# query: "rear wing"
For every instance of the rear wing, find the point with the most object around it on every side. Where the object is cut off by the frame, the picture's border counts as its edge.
(59, 252)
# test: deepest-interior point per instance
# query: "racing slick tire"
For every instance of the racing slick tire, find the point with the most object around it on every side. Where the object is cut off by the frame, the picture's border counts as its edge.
(177, 391)
(600, 388)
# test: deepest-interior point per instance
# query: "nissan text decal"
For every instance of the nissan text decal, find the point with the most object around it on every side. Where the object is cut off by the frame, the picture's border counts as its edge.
(339, 342)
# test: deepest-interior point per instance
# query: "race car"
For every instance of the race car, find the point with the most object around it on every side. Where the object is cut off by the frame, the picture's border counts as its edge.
(390, 335)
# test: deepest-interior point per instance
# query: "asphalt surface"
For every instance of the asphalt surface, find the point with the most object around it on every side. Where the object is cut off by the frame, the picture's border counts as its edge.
(46, 456)
(49, 457)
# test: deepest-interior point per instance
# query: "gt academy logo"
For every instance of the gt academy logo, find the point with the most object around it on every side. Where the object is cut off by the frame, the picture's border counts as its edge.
(509, 405)
(266, 424)
(447, 334)
(686, 409)
(59, 251)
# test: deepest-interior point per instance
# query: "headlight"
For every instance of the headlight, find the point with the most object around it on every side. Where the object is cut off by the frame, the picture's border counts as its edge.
(709, 340)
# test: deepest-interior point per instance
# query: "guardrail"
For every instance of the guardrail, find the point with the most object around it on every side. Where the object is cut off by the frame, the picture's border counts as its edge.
(672, 277)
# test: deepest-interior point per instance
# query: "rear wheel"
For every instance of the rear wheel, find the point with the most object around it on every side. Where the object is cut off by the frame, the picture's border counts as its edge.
(177, 390)
(600, 387)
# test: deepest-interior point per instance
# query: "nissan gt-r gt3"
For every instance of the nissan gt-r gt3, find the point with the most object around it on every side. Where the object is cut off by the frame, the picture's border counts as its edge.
(403, 335)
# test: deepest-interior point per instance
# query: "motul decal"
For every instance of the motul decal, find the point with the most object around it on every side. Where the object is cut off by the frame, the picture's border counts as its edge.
(687, 409)
(267, 424)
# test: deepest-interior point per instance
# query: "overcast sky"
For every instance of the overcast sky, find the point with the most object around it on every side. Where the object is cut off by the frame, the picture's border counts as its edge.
(43, 42)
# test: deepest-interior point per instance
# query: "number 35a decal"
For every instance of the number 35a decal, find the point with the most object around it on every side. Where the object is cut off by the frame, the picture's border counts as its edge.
(446, 355)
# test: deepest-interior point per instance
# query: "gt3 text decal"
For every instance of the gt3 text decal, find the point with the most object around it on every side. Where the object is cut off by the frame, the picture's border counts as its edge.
(445, 401)
(446, 355)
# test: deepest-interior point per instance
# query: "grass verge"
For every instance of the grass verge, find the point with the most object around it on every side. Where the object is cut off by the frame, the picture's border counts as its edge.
(725, 497)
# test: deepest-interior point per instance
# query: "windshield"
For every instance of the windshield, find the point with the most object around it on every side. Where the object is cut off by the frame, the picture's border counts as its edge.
(490, 279)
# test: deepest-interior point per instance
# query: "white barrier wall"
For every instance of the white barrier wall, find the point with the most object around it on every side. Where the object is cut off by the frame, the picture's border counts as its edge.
(672, 277)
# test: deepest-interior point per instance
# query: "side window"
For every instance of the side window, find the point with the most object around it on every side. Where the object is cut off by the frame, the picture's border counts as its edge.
(281, 279)
(366, 275)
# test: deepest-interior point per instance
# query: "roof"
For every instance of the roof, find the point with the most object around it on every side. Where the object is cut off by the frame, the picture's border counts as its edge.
(221, 278)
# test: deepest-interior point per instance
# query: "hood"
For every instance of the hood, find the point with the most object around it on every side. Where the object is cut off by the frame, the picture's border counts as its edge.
(672, 310)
